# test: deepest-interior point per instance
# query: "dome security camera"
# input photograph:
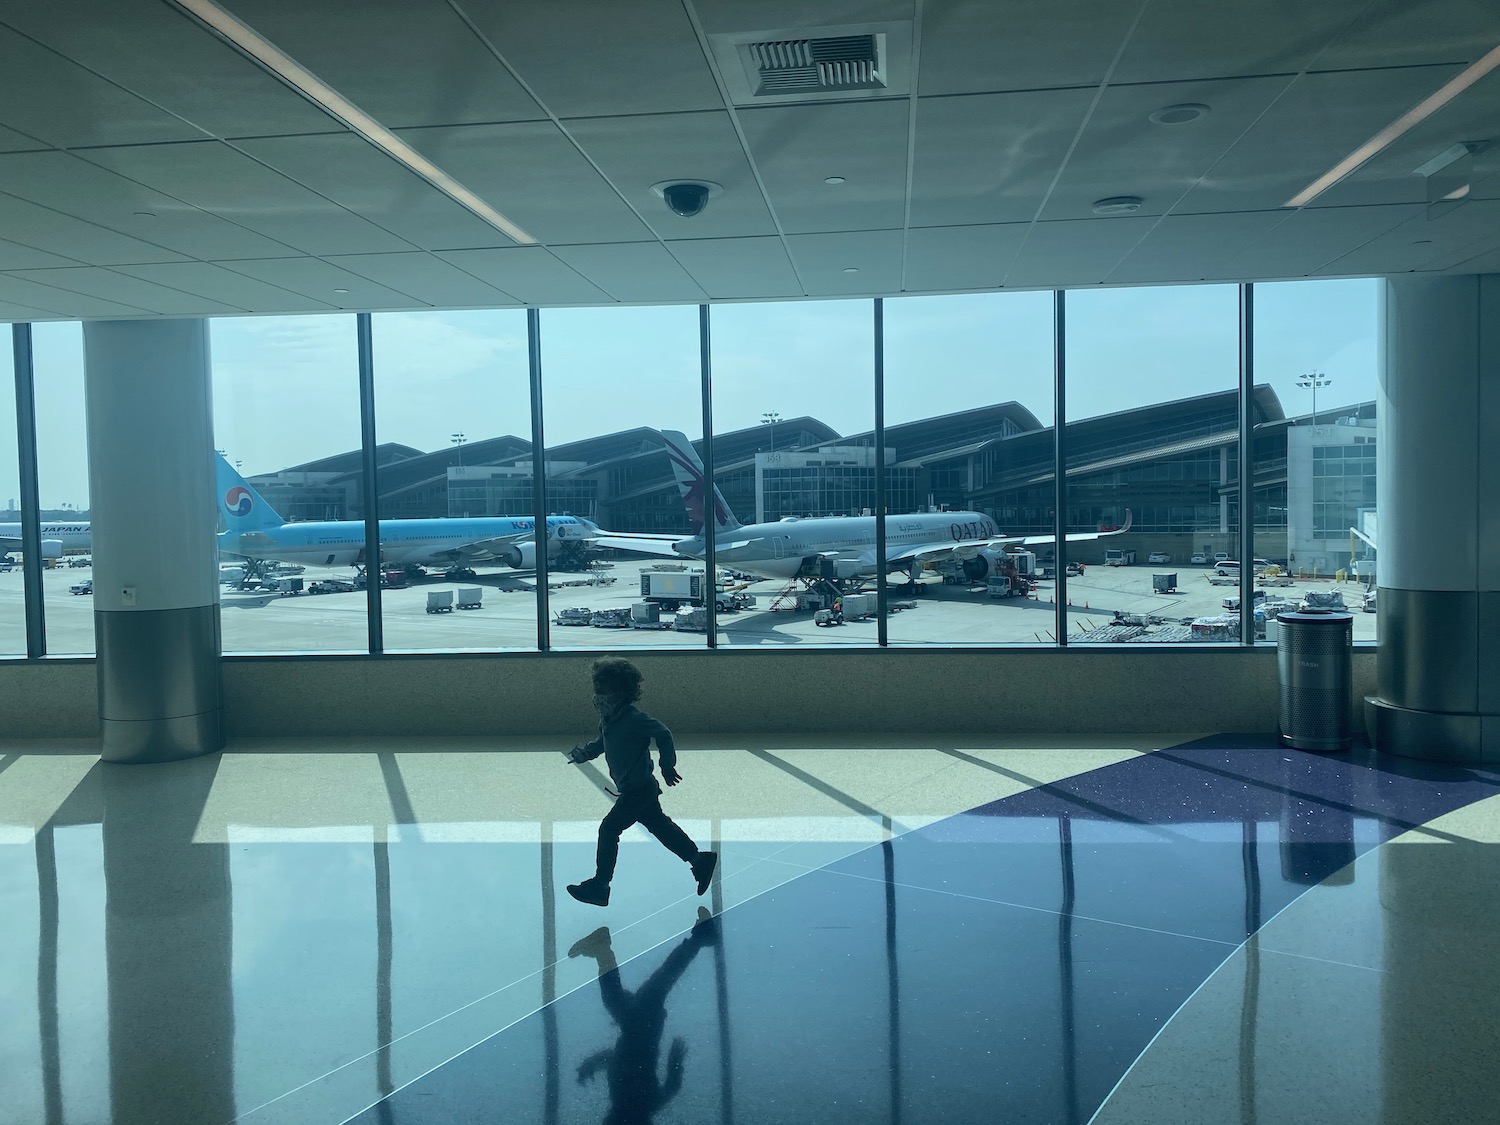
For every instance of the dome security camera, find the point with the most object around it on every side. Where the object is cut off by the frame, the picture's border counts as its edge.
(686, 197)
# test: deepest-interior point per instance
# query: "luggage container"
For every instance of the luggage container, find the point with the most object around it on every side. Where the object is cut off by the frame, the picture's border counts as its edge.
(470, 597)
(439, 601)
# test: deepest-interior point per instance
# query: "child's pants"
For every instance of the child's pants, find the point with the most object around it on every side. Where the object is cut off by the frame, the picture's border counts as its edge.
(645, 809)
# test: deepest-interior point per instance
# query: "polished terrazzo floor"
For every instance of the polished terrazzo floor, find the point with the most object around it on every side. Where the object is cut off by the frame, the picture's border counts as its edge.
(1177, 929)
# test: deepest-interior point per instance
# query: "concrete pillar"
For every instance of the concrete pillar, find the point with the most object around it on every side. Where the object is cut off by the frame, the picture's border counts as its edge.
(1438, 511)
(156, 593)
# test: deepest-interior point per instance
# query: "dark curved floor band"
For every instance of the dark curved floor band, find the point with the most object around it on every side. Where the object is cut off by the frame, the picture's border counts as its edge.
(1007, 964)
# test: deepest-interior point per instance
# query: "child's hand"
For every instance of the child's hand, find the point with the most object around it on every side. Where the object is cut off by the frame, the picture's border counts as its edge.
(670, 775)
(575, 756)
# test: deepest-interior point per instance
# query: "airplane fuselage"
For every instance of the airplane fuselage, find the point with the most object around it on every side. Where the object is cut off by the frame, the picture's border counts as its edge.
(778, 550)
(442, 541)
(70, 536)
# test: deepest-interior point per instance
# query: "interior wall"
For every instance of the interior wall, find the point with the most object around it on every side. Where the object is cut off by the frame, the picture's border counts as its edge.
(897, 691)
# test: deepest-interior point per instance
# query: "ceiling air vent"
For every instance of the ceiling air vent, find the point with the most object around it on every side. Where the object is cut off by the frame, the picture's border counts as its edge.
(810, 66)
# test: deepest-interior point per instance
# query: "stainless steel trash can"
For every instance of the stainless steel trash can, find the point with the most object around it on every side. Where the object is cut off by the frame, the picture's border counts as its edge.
(1315, 672)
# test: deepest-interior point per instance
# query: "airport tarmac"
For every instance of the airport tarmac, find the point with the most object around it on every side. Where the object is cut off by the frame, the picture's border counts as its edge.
(942, 615)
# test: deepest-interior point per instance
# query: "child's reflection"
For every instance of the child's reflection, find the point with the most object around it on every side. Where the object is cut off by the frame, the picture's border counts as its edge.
(635, 1091)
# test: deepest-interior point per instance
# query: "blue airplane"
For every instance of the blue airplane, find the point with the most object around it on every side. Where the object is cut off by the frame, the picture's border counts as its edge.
(254, 530)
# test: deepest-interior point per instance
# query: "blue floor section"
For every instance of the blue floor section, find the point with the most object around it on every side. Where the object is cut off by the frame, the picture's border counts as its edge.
(1007, 964)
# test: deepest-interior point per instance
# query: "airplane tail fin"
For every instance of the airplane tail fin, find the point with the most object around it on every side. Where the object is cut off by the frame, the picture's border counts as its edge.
(690, 483)
(242, 507)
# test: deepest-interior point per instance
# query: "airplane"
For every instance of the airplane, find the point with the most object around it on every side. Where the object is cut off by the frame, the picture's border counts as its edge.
(829, 546)
(56, 538)
(255, 531)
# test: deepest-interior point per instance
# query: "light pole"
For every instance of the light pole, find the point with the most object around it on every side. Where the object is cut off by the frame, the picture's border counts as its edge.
(458, 439)
(1314, 380)
(770, 418)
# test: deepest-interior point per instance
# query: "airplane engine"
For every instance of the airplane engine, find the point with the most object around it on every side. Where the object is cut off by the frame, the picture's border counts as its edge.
(846, 568)
(52, 548)
(976, 569)
(520, 556)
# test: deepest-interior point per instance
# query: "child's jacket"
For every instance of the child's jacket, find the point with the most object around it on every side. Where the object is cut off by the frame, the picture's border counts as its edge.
(625, 742)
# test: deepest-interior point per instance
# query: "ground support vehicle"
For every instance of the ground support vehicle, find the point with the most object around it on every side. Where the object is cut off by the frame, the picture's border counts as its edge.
(1219, 579)
(694, 620)
(1316, 599)
(828, 617)
(1164, 583)
(439, 601)
(471, 597)
(1116, 557)
(1367, 603)
(617, 617)
(330, 586)
(672, 588)
(577, 615)
(857, 607)
(84, 587)
(647, 615)
(1277, 579)
(1233, 602)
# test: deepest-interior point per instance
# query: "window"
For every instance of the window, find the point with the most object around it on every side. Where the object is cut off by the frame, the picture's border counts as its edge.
(63, 483)
(968, 413)
(12, 585)
(1152, 439)
(453, 423)
(286, 423)
(794, 444)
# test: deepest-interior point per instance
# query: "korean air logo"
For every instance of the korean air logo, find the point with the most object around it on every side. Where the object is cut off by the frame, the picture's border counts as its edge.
(237, 501)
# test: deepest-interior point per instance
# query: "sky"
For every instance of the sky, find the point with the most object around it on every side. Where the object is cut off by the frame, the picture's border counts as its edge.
(286, 388)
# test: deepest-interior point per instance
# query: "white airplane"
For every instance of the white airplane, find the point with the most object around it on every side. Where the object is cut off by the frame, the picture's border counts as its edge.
(254, 530)
(792, 546)
(56, 538)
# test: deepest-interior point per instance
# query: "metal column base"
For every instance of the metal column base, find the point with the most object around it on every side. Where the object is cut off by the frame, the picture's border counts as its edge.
(161, 688)
(1436, 736)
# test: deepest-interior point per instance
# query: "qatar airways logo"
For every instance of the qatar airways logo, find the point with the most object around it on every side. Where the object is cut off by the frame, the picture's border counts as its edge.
(237, 501)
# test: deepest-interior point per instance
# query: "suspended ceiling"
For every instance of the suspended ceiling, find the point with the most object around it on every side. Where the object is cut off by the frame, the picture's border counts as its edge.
(149, 167)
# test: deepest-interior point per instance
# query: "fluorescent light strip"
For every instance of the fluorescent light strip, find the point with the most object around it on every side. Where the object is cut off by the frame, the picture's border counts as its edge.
(288, 69)
(1408, 120)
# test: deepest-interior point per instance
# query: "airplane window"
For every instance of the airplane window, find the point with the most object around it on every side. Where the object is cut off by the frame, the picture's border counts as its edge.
(622, 396)
(63, 485)
(453, 418)
(794, 419)
(12, 593)
(286, 423)
(969, 384)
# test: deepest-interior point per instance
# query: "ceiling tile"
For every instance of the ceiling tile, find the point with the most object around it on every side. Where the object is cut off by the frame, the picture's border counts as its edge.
(1458, 233)
(404, 62)
(822, 260)
(961, 257)
(10, 312)
(728, 268)
(661, 70)
(56, 101)
(361, 178)
(534, 176)
(1312, 238)
(208, 82)
(529, 273)
(226, 286)
(990, 158)
(426, 278)
(981, 46)
(1318, 121)
(772, 15)
(33, 225)
(796, 146)
(1406, 33)
(15, 256)
(318, 280)
(636, 152)
(86, 191)
(216, 178)
(1122, 153)
(1075, 251)
(60, 301)
(95, 281)
(1183, 39)
(640, 272)
(1193, 247)
(12, 141)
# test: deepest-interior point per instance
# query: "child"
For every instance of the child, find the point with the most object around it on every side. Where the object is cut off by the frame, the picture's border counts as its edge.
(625, 735)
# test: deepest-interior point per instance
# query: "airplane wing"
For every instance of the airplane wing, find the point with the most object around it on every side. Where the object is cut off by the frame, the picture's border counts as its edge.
(644, 544)
(967, 548)
(9, 543)
(1043, 540)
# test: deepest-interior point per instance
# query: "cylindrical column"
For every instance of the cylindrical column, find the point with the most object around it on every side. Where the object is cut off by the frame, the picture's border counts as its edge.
(156, 593)
(1438, 509)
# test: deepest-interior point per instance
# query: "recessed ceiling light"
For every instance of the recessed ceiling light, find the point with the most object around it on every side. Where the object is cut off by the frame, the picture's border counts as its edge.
(833, 179)
(851, 269)
(1118, 205)
(145, 214)
(1422, 242)
(1179, 114)
(341, 290)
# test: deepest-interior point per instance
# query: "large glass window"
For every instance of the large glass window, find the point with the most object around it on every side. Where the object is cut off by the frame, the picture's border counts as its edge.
(63, 484)
(969, 444)
(1152, 448)
(453, 421)
(1315, 487)
(12, 592)
(286, 422)
(619, 386)
(794, 453)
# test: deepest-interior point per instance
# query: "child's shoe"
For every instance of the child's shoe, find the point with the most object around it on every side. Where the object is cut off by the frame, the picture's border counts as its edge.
(592, 892)
(703, 865)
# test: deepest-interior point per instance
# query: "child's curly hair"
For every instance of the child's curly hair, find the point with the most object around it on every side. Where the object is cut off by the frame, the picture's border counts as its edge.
(615, 675)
